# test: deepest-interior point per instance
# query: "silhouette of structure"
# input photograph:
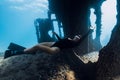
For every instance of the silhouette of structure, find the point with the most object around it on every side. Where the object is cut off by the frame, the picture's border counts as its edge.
(43, 26)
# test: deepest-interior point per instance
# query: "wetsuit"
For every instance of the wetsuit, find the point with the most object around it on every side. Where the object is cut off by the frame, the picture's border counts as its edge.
(66, 43)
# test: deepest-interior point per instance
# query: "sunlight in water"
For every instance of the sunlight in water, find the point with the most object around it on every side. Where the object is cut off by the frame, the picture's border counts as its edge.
(93, 19)
(108, 20)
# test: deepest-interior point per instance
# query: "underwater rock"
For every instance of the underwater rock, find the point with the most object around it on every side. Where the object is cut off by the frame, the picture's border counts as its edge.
(40, 66)
(108, 66)
(34, 67)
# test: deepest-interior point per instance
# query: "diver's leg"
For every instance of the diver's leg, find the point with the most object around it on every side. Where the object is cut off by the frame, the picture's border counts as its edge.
(47, 43)
(45, 47)
(42, 47)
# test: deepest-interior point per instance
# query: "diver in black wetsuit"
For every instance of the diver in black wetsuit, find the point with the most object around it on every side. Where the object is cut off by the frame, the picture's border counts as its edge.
(55, 47)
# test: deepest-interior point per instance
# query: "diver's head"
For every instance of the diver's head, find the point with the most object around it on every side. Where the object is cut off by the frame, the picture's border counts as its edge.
(77, 38)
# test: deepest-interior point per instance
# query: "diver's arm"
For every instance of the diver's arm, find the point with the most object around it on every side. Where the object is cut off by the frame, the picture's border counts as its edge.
(57, 35)
(84, 36)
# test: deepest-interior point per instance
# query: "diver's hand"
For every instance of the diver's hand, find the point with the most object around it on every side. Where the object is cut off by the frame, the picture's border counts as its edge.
(91, 29)
(54, 33)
